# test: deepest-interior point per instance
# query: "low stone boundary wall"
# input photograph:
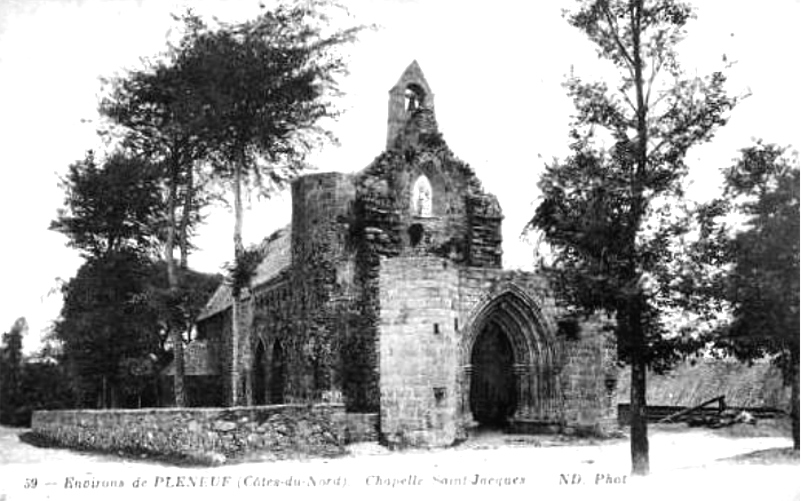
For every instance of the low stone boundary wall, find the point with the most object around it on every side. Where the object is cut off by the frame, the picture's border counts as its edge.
(205, 434)
(361, 427)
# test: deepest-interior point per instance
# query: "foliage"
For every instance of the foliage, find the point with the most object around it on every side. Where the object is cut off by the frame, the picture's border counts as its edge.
(606, 209)
(115, 324)
(119, 309)
(262, 86)
(11, 396)
(153, 113)
(113, 213)
(28, 384)
(751, 233)
(243, 269)
(44, 386)
(175, 310)
(242, 98)
(111, 207)
(235, 96)
(157, 112)
(100, 326)
(763, 284)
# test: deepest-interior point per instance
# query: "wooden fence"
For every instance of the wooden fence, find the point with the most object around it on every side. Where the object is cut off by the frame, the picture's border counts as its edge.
(656, 413)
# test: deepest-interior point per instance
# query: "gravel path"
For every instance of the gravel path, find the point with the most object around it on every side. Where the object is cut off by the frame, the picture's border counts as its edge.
(685, 465)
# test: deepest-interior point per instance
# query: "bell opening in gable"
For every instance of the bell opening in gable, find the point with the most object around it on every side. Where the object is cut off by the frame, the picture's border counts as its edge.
(414, 97)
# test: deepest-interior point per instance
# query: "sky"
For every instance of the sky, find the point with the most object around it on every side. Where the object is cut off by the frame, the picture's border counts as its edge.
(496, 70)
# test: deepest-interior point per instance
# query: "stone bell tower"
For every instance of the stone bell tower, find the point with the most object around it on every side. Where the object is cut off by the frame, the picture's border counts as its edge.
(410, 94)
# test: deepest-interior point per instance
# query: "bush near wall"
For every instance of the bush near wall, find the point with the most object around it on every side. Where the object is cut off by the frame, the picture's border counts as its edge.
(205, 435)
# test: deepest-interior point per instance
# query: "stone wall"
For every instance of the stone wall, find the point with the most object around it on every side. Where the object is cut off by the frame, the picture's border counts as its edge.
(589, 378)
(361, 427)
(418, 350)
(484, 231)
(431, 312)
(203, 434)
(300, 312)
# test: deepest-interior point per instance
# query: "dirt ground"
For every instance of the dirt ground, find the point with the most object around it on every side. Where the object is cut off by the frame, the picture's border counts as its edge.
(743, 462)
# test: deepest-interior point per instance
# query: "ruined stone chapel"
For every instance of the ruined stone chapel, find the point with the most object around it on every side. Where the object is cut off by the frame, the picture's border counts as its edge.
(386, 293)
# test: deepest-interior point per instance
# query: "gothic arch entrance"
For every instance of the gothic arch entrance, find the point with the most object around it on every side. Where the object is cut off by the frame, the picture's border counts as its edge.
(508, 361)
(493, 393)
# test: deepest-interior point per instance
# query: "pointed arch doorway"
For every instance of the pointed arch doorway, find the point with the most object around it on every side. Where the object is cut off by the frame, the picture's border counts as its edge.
(493, 391)
(508, 363)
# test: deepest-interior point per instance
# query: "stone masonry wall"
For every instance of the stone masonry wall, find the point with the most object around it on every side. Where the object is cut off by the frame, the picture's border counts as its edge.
(418, 352)
(382, 227)
(361, 427)
(203, 434)
(479, 284)
(484, 231)
(321, 291)
(589, 377)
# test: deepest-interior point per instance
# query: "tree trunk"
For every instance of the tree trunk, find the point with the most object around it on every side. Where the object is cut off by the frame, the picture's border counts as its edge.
(794, 395)
(172, 278)
(234, 394)
(639, 417)
(185, 215)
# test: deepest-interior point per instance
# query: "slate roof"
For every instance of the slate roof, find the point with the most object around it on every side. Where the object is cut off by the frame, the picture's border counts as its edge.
(276, 251)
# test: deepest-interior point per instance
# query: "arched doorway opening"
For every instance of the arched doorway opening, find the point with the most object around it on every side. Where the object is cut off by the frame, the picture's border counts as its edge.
(493, 389)
(260, 375)
(277, 374)
(508, 361)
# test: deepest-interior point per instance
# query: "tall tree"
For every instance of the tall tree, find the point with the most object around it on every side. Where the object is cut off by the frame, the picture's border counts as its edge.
(233, 96)
(605, 209)
(155, 109)
(263, 86)
(11, 397)
(752, 232)
(113, 212)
